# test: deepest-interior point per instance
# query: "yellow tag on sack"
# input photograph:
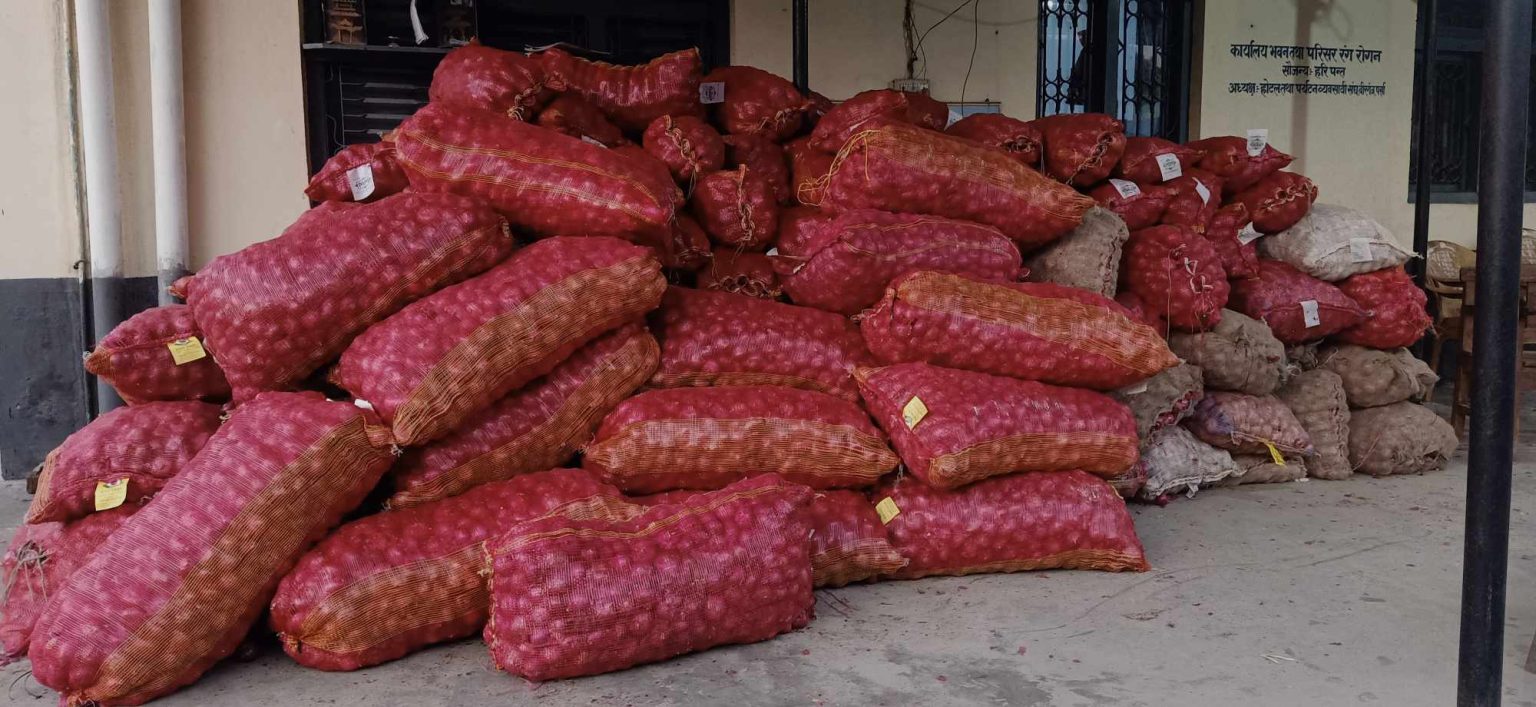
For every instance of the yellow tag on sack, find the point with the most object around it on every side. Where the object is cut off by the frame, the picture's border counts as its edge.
(111, 494)
(887, 510)
(186, 350)
(1275, 454)
(914, 412)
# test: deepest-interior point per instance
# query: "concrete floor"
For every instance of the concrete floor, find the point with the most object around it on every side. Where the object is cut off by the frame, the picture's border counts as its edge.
(1320, 593)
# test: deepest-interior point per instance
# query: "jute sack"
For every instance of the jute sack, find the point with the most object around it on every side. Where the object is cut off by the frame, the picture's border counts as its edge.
(1262, 469)
(1088, 257)
(1333, 242)
(1401, 438)
(1177, 461)
(1240, 354)
(1164, 399)
(1373, 377)
(1317, 398)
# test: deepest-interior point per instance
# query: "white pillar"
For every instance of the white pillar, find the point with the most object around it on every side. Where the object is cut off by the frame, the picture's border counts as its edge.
(98, 132)
(169, 134)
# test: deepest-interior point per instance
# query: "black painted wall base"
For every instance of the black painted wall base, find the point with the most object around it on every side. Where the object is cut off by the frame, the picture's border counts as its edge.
(44, 388)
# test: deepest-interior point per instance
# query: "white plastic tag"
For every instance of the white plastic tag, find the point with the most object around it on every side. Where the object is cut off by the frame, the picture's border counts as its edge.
(1204, 192)
(1126, 189)
(1136, 389)
(1169, 165)
(1258, 139)
(1309, 313)
(1248, 235)
(772, 252)
(592, 141)
(712, 92)
(1360, 250)
(360, 181)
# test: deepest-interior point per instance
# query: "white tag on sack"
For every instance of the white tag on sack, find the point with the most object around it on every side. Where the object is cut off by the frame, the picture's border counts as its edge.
(1126, 189)
(1309, 313)
(1360, 250)
(712, 92)
(1169, 166)
(1136, 389)
(1258, 139)
(772, 252)
(592, 141)
(360, 181)
(1204, 192)
(1248, 235)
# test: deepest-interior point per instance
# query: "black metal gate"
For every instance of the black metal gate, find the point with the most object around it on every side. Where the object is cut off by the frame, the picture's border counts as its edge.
(1128, 58)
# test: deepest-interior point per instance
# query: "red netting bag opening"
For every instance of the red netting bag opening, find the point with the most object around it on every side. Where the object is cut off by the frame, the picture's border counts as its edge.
(931, 416)
(866, 108)
(721, 339)
(1230, 158)
(687, 145)
(1178, 275)
(750, 274)
(1296, 306)
(573, 597)
(1039, 521)
(1396, 317)
(1139, 205)
(705, 438)
(1011, 135)
(807, 166)
(1154, 160)
(38, 564)
(509, 83)
(1278, 201)
(366, 172)
(1196, 197)
(1239, 259)
(1081, 148)
(763, 157)
(570, 114)
(757, 103)
(1030, 330)
(737, 208)
(632, 96)
(136, 358)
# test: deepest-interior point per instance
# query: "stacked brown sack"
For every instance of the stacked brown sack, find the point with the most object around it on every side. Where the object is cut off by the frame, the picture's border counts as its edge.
(1389, 432)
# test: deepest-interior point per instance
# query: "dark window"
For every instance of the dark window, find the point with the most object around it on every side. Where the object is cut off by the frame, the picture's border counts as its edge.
(357, 92)
(1128, 58)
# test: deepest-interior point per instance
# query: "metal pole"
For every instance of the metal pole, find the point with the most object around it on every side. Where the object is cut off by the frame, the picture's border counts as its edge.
(1501, 191)
(1423, 144)
(168, 130)
(802, 42)
(93, 46)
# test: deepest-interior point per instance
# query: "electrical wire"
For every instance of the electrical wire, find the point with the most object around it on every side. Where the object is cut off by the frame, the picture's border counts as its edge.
(931, 27)
(975, 39)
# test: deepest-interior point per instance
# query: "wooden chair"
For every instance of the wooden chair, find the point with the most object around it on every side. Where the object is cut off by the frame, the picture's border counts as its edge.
(1443, 261)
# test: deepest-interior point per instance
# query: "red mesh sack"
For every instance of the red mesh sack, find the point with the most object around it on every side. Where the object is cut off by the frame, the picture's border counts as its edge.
(1139, 205)
(896, 167)
(1027, 426)
(723, 339)
(572, 597)
(632, 96)
(704, 438)
(925, 111)
(867, 108)
(1196, 197)
(1397, 316)
(817, 106)
(38, 564)
(1239, 259)
(798, 227)
(1140, 161)
(736, 208)
(1031, 330)
(1017, 138)
(274, 312)
(435, 363)
(538, 179)
(570, 114)
(1228, 158)
(390, 584)
(1278, 201)
(136, 359)
(1280, 295)
(750, 274)
(807, 166)
(539, 427)
(845, 265)
(366, 172)
(690, 245)
(686, 145)
(180, 286)
(763, 157)
(140, 447)
(178, 586)
(1144, 314)
(504, 82)
(1177, 274)
(757, 103)
(1061, 520)
(1080, 149)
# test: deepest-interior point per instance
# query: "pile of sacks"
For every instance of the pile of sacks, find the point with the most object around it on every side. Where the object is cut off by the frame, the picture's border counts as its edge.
(609, 364)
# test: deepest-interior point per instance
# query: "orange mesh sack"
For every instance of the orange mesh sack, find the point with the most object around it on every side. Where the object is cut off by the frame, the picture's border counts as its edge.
(718, 338)
(955, 427)
(178, 586)
(390, 584)
(136, 358)
(1080, 148)
(540, 180)
(274, 312)
(365, 172)
(1039, 521)
(138, 448)
(476, 76)
(706, 438)
(1031, 330)
(899, 167)
(37, 565)
(572, 597)
(539, 427)
(631, 96)
(429, 367)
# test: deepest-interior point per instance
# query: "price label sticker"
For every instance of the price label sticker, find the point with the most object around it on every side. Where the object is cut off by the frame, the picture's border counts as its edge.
(1170, 167)
(1309, 313)
(1248, 235)
(1360, 250)
(184, 351)
(1258, 139)
(1204, 192)
(913, 412)
(111, 494)
(887, 510)
(712, 92)
(592, 141)
(360, 181)
(1126, 189)
(1274, 455)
